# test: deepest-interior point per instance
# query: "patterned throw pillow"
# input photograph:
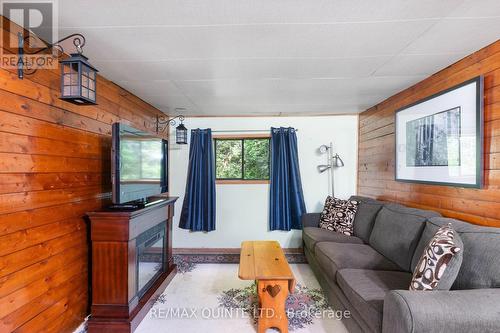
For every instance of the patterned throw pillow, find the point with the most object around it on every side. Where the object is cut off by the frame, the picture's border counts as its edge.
(338, 215)
(435, 259)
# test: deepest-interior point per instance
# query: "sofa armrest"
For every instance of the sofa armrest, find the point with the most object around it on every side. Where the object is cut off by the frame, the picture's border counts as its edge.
(460, 311)
(310, 220)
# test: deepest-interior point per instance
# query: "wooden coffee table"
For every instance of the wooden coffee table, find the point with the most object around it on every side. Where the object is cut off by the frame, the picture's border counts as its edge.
(265, 262)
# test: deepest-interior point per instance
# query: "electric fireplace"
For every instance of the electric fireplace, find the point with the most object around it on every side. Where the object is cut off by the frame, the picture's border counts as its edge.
(131, 264)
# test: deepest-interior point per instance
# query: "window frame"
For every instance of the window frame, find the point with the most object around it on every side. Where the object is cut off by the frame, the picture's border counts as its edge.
(242, 138)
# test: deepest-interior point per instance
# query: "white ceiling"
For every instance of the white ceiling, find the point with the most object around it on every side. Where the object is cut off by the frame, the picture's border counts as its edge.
(276, 57)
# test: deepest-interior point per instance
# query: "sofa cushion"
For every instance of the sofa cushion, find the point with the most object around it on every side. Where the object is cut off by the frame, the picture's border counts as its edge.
(481, 247)
(397, 231)
(312, 236)
(310, 219)
(334, 256)
(365, 216)
(440, 261)
(338, 215)
(366, 290)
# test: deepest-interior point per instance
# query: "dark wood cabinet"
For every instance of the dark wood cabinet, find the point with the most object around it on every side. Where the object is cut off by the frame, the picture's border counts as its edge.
(132, 264)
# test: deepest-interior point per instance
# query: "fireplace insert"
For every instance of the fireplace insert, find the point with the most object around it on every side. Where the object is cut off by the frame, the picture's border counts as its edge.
(150, 257)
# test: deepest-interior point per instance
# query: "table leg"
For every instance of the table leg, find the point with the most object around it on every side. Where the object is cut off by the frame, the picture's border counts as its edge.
(272, 297)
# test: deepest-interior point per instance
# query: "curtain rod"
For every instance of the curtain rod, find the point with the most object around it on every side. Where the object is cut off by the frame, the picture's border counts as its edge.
(243, 131)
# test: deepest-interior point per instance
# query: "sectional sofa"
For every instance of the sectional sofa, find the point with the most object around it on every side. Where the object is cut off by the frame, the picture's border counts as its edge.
(369, 273)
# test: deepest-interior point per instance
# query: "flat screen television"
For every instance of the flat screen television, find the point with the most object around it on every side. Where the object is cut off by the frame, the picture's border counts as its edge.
(139, 165)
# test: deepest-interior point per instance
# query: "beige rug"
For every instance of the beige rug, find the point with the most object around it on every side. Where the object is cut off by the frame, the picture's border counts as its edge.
(211, 298)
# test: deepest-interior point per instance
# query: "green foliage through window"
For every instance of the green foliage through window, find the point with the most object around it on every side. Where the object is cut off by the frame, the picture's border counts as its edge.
(244, 159)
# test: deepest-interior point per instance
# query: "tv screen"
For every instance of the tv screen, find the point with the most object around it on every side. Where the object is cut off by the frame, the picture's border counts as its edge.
(139, 164)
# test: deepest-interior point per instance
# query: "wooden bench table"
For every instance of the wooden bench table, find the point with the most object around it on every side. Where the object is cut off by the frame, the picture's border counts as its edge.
(265, 262)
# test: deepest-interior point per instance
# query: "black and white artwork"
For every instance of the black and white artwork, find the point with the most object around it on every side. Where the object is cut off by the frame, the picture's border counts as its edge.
(434, 140)
(439, 139)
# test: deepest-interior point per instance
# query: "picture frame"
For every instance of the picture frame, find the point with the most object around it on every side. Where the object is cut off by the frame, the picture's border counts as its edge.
(439, 139)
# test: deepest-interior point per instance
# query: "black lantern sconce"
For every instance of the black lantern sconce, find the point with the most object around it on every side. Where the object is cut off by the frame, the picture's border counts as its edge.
(162, 124)
(78, 80)
(78, 76)
(181, 136)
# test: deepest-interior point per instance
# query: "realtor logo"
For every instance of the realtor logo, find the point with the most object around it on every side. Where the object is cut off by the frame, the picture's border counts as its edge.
(30, 30)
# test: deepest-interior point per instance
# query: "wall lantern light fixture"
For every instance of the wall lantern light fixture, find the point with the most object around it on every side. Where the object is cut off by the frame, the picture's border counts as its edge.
(78, 76)
(163, 122)
(78, 80)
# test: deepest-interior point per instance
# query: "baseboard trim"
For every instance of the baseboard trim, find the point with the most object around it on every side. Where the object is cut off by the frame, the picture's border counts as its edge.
(225, 250)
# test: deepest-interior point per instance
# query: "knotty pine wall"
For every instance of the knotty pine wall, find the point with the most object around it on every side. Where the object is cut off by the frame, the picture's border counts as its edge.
(376, 146)
(54, 167)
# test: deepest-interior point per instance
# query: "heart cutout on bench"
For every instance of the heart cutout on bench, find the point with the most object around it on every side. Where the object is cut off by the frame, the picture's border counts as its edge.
(273, 290)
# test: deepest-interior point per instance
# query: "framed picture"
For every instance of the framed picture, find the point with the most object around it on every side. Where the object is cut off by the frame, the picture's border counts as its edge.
(439, 140)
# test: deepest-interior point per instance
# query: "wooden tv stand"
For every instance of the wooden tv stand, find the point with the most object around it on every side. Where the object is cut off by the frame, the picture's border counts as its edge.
(117, 306)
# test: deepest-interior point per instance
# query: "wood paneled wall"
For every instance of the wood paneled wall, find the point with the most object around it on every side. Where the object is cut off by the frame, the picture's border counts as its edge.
(54, 167)
(377, 144)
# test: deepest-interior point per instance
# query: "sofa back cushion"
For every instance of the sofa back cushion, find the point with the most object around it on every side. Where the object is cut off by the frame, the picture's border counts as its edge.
(397, 231)
(481, 247)
(365, 216)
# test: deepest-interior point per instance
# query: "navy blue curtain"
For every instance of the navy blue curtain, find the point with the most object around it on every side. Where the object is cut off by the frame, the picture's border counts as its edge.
(198, 208)
(286, 198)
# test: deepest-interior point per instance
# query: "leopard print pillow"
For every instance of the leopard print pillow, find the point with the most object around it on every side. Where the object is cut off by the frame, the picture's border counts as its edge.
(338, 215)
(435, 259)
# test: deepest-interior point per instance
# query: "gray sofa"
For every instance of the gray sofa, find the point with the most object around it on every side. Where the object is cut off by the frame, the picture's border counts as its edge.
(369, 273)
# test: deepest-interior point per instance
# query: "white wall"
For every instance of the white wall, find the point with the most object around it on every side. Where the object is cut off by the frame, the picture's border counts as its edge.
(242, 210)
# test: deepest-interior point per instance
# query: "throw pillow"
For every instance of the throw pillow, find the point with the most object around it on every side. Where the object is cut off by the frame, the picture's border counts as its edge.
(338, 215)
(439, 263)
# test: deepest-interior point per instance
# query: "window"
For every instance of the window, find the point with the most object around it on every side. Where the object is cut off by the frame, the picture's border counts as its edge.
(242, 159)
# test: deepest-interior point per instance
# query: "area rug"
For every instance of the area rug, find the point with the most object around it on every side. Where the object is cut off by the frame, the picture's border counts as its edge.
(187, 262)
(211, 298)
(301, 306)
